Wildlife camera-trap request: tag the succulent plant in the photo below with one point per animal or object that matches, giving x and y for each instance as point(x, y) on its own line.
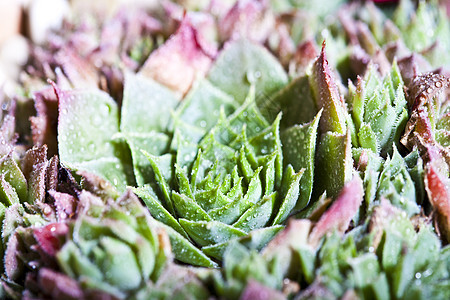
point(38, 192)
point(221, 153)
point(388, 256)
point(112, 249)
point(186, 161)
point(384, 263)
point(379, 110)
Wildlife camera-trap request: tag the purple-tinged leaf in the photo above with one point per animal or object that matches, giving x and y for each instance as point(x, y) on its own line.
point(51, 237)
point(44, 124)
point(426, 111)
point(326, 94)
point(12, 263)
point(384, 216)
point(409, 67)
point(341, 212)
point(51, 178)
point(294, 236)
point(65, 205)
point(425, 87)
point(80, 72)
point(34, 158)
point(34, 167)
point(249, 19)
point(304, 55)
point(256, 290)
point(59, 286)
point(437, 185)
point(186, 56)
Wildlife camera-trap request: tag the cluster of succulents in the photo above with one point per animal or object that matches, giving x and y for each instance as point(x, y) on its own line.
point(247, 149)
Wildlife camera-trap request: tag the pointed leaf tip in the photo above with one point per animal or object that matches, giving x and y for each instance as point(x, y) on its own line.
point(327, 96)
point(339, 215)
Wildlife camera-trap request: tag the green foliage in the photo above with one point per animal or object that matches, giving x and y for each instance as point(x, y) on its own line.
point(117, 250)
point(424, 26)
point(226, 187)
point(242, 265)
point(379, 110)
point(210, 168)
point(243, 64)
point(391, 269)
point(397, 179)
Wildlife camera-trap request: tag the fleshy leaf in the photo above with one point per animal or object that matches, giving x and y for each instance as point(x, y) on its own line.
point(290, 194)
point(185, 251)
point(186, 56)
point(87, 122)
point(158, 211)
point(201, 107)
point(339, 215)
point(295, 101)
point(247, 19)
point(210, 232)
point(152, 142)
point(327, 97)
point(396, 184)
point(333, 163)
point(13, 179)
point(379, 110)
point(258, 215)
point(299, 149)
point(256, 239)
point(146, 105)
point(242, 64)
point(437, 184)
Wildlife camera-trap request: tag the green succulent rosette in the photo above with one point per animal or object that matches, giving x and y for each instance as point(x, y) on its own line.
point(114, 248)
point(34, 192)
point(212, 167)
point(233, 188)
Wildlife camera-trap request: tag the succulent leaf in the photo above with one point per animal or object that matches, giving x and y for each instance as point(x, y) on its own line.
point(299, 148)
point(327, 96)
point(334, 163)
point(190, 56)
point(379, 110)
point(95, 151)
point(253, 65)
point(225, 124)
